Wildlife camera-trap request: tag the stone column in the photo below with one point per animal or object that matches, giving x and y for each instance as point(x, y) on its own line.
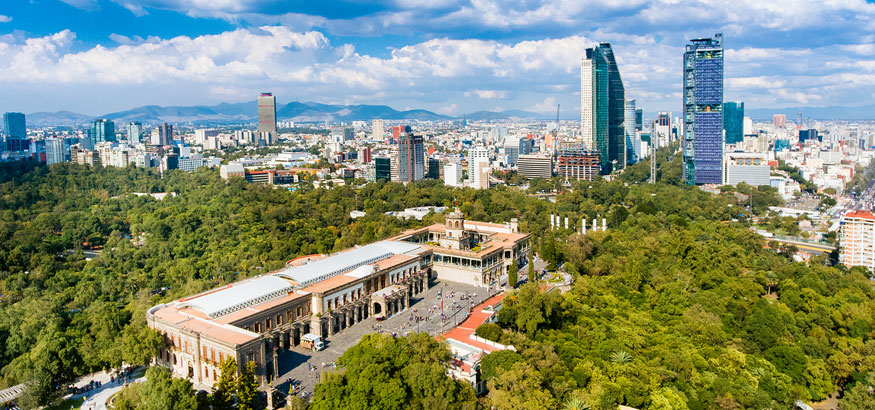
point(276, 365)
point(262, 369)
point(358, 313)
point(331, 324)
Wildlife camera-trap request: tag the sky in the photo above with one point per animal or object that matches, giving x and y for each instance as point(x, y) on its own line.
point(449, 56)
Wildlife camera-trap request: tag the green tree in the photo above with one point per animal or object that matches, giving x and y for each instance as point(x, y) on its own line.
point(498, 362)
point(531, 273)
point(247, 388)
point(512, 273)
point(489, 331)
point(224, 389)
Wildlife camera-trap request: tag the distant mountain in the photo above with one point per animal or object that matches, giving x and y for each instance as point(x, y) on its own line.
point(238, 113)
point(60, 118)
point(862, 113)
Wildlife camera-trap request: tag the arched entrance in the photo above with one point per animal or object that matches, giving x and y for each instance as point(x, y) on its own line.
point(377, 308)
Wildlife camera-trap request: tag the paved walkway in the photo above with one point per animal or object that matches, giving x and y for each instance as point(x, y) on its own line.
point(95, 399)
point(294, 362)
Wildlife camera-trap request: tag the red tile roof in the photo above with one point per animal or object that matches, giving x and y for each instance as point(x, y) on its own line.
point(463, 332)
point(860, 214)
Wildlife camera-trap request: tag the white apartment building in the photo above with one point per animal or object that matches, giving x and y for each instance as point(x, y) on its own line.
point(453, 174)
point(858, 239)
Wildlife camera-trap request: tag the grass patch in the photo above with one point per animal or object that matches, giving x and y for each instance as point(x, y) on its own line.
point(66, 404)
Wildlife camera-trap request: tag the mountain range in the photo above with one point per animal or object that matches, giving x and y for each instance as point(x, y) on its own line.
point(241, 113)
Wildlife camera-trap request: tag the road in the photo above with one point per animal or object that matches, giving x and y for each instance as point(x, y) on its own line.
point(810, 247)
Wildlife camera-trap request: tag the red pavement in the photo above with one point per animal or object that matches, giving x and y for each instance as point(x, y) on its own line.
point(464, 331)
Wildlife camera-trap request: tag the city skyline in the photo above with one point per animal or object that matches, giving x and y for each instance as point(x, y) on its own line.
point(451, 59)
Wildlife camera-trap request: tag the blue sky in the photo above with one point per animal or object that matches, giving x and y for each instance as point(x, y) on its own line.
point(453, 56)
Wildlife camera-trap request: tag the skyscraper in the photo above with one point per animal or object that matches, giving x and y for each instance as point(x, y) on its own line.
point(703, 111)
point(163, 135)
point(102, 130)
point(411, 158)
point(779, 120)
point(55, 151)
point(267, 116)
point(616, 111)
point(733, 121)
point(135, 128)
point(602, 106)
point(14, 130)
point(377, 130)
point(629, 127)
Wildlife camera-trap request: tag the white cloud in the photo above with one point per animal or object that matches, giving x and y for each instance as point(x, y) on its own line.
point(487, 94)
point(548, 105)
point(5, 19)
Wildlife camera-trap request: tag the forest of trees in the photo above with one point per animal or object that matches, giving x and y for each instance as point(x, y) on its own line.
point(673, 307)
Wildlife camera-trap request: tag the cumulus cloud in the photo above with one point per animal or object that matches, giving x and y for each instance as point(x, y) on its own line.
point(5, 19)
point(486, 94)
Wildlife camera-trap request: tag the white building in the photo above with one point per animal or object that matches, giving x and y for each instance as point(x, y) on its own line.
point(55, 152)
point(377, 129)
point(453, 174)
point(475, 155)
point(858, 239)
point(748, 167)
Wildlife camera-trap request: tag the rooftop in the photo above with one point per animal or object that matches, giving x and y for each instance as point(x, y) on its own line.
point(238, 295)
point(860, 214)
point(310, 273)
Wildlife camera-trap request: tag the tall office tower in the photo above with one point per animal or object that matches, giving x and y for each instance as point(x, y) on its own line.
point(602, 105)
point(135, 128)
point(733, 121)
point(779, 120)
point(377, 130)
point(267, 116)
point(639, 119)
point(411, 158)
point(55, 151)
point(703, 111)
point(629, 128)
point(14, 131)
point(616, 111)
point(512, 150)
point(162, 136)
point(102, 130)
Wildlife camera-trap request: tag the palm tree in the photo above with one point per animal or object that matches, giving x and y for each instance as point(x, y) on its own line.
point(576, 404)
point(621, 356)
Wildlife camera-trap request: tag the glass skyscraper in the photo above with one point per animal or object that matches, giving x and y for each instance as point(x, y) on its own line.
point(15, 131)
point(602, 105)
point(629, 125)
point(733, 121)
point(703, 111)
point(102, 131)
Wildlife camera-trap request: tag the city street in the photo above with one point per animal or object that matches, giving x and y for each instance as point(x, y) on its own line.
point(294, 363)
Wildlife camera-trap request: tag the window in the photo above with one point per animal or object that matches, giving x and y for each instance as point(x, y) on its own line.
point(279, 320)
point(269, 324)
point(329, 305)
point(205, 352)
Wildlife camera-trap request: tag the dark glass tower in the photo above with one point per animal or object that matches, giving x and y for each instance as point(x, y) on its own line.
point(733, 121)
point(616, 111)
point(703, 111)
point(602, 105)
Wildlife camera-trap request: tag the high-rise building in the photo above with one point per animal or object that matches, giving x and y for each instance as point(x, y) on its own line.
point(809, 135)
point(453, 174)
point(703, 111)
point(857, 244)
point(15, 131)
point(411, 158)
point(135, 128)
point(512, 150)
point(377, 130)
point(779, 120)
point(434, 169)
point(733, 121)
point(747, 127)
point(616, 111)
point(267, 116)
point(474, 155)
point(639, 119)
point(102, 130)
point(602, 107)
point(163, 135)
point(629, 128)
point(55, 151)
point(382, 169)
